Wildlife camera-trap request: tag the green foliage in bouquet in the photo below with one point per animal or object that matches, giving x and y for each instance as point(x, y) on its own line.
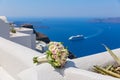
point(35, 60)
point(56, 55)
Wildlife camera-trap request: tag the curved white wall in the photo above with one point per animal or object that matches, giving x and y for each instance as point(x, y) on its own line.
point(15, 58)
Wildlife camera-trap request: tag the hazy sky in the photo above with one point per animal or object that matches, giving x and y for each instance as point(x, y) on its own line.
point(60, 8)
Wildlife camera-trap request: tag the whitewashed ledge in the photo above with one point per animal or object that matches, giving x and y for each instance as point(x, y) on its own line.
point(24, 30)
point(15, 58)
point(16, 64)
point(84, 67)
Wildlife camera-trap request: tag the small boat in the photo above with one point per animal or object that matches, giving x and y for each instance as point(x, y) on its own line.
point(77, 37)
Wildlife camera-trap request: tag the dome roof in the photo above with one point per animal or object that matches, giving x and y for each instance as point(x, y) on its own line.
point(4, 18)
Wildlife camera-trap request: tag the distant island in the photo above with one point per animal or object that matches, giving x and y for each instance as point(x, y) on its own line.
point(107, 20)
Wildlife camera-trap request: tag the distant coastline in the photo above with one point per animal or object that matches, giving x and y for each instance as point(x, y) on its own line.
point(107, 20)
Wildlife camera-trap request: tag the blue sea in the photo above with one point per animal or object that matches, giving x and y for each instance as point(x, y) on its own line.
point(60, 29)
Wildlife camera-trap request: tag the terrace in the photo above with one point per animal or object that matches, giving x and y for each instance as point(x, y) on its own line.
point(16, 61)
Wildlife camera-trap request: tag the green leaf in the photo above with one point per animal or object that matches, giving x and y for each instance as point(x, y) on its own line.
point(112, 54)
point(35, 60)
point(62, 42)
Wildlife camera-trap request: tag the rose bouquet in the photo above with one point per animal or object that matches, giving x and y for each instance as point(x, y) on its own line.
point(56, 55)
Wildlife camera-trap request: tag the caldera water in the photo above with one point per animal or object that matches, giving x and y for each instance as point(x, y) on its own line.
point(60, 29)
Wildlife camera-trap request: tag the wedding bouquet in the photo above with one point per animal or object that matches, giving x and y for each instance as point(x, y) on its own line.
point(56, 55)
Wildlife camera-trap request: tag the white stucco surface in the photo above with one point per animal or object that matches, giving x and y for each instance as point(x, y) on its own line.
point(4, 75)
point(84, 67)
point(41, 72)
point(15, 58)
point(21, 38)
point(30, 33)
point(4, 18)
point(4, 29)
point(96, 59)
point(80, 74)
point(17, 61)
point(24, 30)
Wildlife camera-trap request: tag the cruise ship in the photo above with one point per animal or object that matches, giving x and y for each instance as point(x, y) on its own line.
point(77, 37)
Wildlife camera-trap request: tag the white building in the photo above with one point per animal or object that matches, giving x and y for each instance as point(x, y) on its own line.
point(23, 36)
point(4, 29)
point(30, 33)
